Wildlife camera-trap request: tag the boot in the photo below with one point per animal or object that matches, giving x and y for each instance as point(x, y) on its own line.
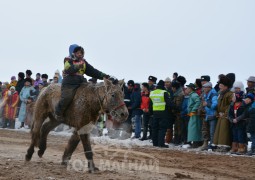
point(251, 152)
point(12, 124)
point(241, 149)
point(22, 125)
point(204, 146)
point(169, 136)
point(4, 123)
point(234, 148)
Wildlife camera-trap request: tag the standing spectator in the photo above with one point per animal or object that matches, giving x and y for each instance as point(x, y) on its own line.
point(151, 81)
point(45, 80)
point(55, 79)
point(182, 81)
point(238, 87)
point(250, 84)
point(195, 124)
point(160, 105)
point(216, 87)
point(249, 100)
point(198, 87)
point(10, 108)
point(237, 117)
point(145, 108)
point(29, 74)
point(202, 112)
point(222, 131)
point(57, 73)
point(136, 109)
point(177, 100)
point(127, 125)
point(37, 80)
point(185, 117)
point(175, 75)
point(210, 102)
point(169, 132)
point(13, 81)
point(21, 82)
point(3, 95)
point(25, 94)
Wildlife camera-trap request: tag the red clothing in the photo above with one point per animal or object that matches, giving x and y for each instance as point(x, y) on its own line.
point(10, 107)
point(145, 101)
point(199, 91)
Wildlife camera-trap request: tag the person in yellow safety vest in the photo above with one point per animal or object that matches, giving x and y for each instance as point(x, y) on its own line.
point(160, 105)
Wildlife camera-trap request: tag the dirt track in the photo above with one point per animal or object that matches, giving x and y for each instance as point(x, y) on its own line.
point(116, 162)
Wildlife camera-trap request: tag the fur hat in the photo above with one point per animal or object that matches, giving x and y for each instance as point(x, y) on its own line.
point(198, 83)
point(13, 87)
point(182, 80)
point(192, 86)
point(13, 78)
point(208, 84)
point(21, 75)
point(152, 78)
point(232, 78)
point(205, 78)
point(168, 79)
point(45, 76)
point(251, 79)
point(28, 80)
point(131, 83)
point(225, 81)
point(146, 85)
point(29, 72)
point(239, 84)
point(175, 74)
point(161, 84)
point(176, 84)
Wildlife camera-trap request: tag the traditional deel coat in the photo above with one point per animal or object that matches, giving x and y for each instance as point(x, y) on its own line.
point(222, 131)
point(10, 107)
point(24, 95)
point(195, 123)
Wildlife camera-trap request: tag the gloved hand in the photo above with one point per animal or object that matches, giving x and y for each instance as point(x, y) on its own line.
point(192, 114)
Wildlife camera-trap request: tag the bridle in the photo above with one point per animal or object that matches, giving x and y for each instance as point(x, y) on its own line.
point(101, 101)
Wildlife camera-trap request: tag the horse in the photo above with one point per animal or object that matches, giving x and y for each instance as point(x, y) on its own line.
point(89, 102)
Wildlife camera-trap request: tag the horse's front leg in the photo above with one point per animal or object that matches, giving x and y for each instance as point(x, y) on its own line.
point(70, 148)
point(88, 152)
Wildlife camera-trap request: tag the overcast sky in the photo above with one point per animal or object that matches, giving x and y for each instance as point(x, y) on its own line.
point(130, 39)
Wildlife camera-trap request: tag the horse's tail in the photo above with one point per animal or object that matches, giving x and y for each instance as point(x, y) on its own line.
point(41, 110)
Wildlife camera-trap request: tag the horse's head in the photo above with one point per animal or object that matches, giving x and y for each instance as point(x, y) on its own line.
point(114, 100)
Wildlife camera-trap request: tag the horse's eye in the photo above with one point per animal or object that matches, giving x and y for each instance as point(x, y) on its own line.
point(113, 95)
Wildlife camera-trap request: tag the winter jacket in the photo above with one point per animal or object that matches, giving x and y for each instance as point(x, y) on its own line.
point(37, 82)
point(184, 110)
point(136, 102)
point(20, 85)
point(241, 113)
point(74, 74)
point(251, 118)
point(145, 101)
point(10, 108)
point(212, 101)
point(177, 100)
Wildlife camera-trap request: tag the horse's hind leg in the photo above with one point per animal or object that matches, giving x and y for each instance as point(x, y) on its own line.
point(88, 152)
point(70, 148)
point(46, 128)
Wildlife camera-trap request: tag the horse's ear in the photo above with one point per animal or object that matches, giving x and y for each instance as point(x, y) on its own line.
point(121, 83)
point(107, 83)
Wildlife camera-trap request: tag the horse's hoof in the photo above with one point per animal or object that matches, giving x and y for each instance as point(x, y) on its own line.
point(28, 157)
point(64, 163)
point(40, 153)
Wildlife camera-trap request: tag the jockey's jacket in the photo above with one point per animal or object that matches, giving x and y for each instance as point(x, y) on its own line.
point(72, 68)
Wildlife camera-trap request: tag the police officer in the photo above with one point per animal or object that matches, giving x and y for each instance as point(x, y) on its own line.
point(160, 104)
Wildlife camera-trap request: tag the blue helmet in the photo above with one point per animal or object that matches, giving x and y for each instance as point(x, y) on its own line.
point(71, 49)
